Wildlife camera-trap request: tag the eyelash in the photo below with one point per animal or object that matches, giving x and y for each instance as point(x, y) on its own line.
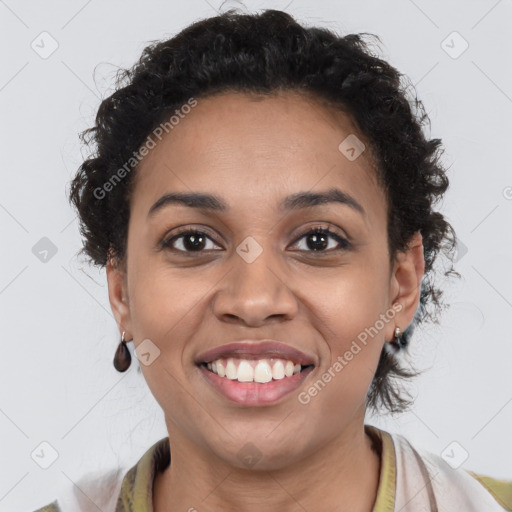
point(344, 244)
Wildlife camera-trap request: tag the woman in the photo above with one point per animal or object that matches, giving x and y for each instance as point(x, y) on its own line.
point(263, 199)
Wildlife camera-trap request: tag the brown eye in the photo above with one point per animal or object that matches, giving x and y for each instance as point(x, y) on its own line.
point(189, 241)
point(317, 240)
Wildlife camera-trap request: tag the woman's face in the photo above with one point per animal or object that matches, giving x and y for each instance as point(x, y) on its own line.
point(254, 273)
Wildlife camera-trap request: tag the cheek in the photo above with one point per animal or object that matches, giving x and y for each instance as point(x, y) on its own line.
point(162, 299)
point(351, 301)
point(162, 311)
point(353, 322)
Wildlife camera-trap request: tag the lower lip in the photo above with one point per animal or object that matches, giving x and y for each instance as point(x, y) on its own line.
point(253, 393)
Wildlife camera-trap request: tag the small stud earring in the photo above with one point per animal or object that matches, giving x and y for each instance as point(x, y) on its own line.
point(398, 341)
point(122, 357)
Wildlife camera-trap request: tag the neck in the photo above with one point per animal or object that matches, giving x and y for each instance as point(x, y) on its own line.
point(342, 476)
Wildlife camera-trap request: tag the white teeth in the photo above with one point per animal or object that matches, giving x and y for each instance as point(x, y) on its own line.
point(262, 372)
point(231, 371)
point(278, 370)
point(250, 370)
point(245, 372)
point(288, 368)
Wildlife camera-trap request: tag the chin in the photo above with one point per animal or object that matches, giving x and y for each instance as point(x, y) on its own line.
point(259, 453)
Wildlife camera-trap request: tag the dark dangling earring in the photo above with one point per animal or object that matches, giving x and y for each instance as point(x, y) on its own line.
point(398, 341)
point(122, 357)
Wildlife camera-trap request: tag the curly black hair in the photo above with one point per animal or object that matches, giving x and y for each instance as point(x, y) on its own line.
point(268, 53)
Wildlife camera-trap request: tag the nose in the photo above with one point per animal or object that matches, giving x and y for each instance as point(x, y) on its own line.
point(255, 293)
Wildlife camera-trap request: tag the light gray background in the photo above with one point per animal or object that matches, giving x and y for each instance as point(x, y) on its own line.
point(58, 335)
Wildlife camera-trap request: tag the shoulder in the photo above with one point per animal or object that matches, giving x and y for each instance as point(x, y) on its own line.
point(115, 490)
point(446, 483)
point(51, 507)
point(93, 492)
point(500, 489)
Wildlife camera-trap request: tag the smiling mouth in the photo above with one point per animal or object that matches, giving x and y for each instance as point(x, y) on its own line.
point(260, 371)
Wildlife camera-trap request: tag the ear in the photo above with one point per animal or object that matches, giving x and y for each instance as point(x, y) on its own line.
point(118, 296)
point(406, 276)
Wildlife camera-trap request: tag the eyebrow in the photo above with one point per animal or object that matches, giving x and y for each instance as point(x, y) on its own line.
point(295, 201)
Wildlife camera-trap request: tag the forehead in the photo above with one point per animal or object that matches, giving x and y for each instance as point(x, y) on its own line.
point(258, 148)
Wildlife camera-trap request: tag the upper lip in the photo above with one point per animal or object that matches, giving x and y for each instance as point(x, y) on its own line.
point(256, 349)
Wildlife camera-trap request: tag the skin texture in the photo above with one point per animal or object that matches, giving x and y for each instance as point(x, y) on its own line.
point(253, 152)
